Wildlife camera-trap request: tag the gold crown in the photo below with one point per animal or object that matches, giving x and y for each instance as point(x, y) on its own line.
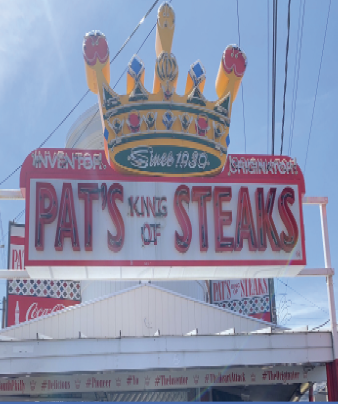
point(163, 133)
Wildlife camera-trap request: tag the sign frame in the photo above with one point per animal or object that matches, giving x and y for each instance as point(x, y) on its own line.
point(48, 164)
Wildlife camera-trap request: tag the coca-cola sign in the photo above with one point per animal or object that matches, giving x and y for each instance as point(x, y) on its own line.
point(27, 308)
point(34, 311)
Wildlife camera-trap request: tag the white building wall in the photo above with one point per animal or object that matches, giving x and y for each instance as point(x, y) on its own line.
point(137, 312)
point(86, 132)
point(93, 289)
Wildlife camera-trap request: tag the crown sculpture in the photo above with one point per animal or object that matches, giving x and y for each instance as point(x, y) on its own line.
point(163, 133)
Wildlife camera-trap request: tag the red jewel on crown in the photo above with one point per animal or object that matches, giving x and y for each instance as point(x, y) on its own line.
point(95, 47)
point(202, 125)
point(234, 60)
point(134, 121)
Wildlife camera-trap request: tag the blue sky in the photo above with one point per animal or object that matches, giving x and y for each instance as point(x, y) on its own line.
point(42, 77)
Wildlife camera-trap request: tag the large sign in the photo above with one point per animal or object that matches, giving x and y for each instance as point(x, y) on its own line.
point(159, 380)
point(28, 299)
point(81, 214)
point(250, 297)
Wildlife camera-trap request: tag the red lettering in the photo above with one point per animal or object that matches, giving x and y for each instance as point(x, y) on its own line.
point(133, 206)
point(44, 214)
point(260, 288)
point(265, 223)
point(250, 287)
point(151, 207)
point(88, 193)
point(222, 218)
point(182, 243)
point(115, 243)
point(67, 225)
point(146, 240)
point(19, 260)
point(142, 206)
point(288, 241)
point(265, 286)
point(202, 195)
point(216, 294)
point(228, 290)
point(162, 209)
point(244, 287)
point(14, 259)
point(245, 227)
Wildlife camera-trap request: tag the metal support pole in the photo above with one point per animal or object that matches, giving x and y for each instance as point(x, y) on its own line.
point(329, 280)
point(311, 397)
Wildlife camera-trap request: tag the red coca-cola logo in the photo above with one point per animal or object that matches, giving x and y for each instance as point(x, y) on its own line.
point(34, 311)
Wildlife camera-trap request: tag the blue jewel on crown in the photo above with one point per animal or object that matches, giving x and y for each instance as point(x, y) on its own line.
point(168, 119)
point(197, 73)
point(135, 67)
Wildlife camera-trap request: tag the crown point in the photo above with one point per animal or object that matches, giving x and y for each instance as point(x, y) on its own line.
point(166, 74)
point(196, 77)
point(231, 71)
point(135, 67)
point(95, 47)
point(165, 29)
point(234, 60)
point(96, 56)
point(166, 15)
point(135, 76)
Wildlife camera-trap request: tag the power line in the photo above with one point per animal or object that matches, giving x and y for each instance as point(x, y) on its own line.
point(299, 294)
point(298, 56)
point(320, 326)
point(11, 174)
point(86, 93)
point(286, 76)
point(239, 44)
point(268, 75)
point(274, 60)
point(239, 34)
point(314, 102)
point(135, 29)
point(18, 216)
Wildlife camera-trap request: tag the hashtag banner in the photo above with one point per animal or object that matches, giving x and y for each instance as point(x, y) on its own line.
point(158, 380)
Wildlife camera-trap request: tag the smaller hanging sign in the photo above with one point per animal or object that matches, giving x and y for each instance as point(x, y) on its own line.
point(250, 297)
point(28, 299)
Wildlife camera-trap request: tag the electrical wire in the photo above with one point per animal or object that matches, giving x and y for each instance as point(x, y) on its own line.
point(239, 44)
point(268, 75)
point(18, 216)
point(314, 101)
point(274, 67)
point(320, 326)
point(135, 29)
point(298, 56)
point(286, 75)
point(86, 93)
point(299, 294)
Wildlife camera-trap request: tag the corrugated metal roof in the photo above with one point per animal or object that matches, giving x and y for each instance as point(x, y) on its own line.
point(139, 311)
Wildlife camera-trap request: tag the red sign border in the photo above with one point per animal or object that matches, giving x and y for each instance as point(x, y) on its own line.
point(29, 171)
